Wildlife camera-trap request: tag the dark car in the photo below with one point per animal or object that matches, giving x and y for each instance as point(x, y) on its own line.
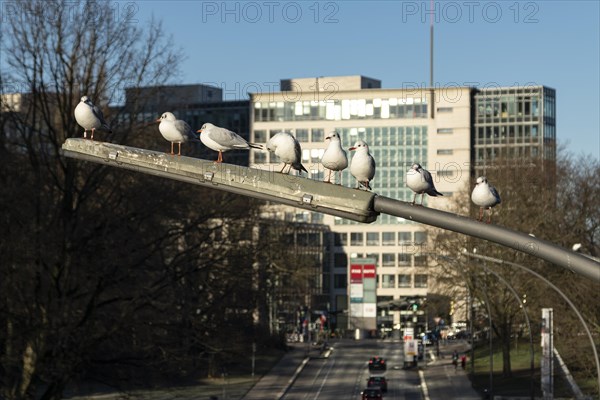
point(371, 393)
point(378, 381)
point(377, 363)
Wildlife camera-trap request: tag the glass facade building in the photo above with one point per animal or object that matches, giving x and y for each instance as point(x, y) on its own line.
point(401, 127)
point(514, 122)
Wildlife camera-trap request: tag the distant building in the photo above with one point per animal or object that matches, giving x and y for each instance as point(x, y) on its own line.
point(449, 131)
point(196, 104)
point(514, 122)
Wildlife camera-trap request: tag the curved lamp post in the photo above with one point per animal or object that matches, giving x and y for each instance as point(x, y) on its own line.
point(527, 319)
point(573, 307)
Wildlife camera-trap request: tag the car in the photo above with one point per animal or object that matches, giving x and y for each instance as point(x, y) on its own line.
point(377, 363)
point(371, 393)
point(378, 381)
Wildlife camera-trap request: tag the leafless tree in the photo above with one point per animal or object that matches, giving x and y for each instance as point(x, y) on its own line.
point(563, 208)
point(60, 256)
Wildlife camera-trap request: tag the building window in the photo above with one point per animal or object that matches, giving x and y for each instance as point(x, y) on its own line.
point(445, 152)
point(421, 260)
point(374, 256)
point(404, 259)
point(260, 157)
point(388, 260)
point(444, 109)
point(340, 238)
point(340, 281)
point(317, 135)
point(404, 281)
point(372, 238)
point(404, 237)
point(388, 281)
point(445, 130)
point(356, 239)
point(388, 238)
point(260, 136)
point(340, 260)
point(420, 281)
point(302, 135)
point(420, 237)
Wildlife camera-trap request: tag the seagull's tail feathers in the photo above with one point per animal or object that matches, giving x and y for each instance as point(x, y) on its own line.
point(434, 193)
point(299, 167)
point(256, 146)
point(106, 128)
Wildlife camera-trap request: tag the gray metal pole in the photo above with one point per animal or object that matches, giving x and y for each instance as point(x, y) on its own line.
point(557, 290)
point(493, 233)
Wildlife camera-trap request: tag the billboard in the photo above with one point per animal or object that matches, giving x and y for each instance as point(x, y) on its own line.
point(363, 293)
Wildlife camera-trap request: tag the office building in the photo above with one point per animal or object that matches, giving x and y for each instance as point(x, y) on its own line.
point(449, 131)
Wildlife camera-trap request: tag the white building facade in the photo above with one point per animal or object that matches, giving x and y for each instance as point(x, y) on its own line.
point(401, 127)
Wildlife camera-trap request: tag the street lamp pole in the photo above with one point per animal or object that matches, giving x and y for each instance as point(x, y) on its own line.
point(573, 307)
point(313, 195)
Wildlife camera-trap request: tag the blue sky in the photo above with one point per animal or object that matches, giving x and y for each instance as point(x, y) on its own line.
point(243, 46)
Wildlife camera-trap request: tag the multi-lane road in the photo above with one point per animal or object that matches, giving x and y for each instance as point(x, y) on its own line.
point(343, 375)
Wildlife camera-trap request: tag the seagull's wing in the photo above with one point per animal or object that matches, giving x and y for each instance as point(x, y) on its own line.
point(372, 164)
point(185, 129)
point(495, 193)
point(98, 114)
point(228, 138)
point(427, 176)
point(297, 151)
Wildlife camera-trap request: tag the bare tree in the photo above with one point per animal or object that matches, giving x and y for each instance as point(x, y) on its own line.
point(57, 214)
point(561, 207)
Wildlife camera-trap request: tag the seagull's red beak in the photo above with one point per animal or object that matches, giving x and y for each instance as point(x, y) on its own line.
point(199, 131)
point(352, 148)
point(158, 120)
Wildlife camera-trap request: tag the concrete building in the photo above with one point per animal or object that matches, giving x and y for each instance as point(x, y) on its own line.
point(449, 131)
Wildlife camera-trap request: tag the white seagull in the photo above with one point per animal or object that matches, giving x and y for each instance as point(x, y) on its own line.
point(221, 140)
point(363, 164)
point(334, 158)
point(90, 117)
point(175, 131)
point(485, 196)
point(287, 148)
point(419, 181)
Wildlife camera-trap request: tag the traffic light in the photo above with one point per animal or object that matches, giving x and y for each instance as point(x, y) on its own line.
point(415, 306)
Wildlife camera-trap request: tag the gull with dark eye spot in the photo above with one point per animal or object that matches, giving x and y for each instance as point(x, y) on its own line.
point(222, 140)
point(362, 166)
point(334, 158)
point(419, 180)
point(175, 131)
point(485, 196)
point(90, 117)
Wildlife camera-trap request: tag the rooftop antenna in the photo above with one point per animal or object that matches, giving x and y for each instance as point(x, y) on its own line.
point(431, 16)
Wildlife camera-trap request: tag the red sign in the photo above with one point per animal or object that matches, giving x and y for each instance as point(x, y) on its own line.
point(356, 274)
point(369, 271)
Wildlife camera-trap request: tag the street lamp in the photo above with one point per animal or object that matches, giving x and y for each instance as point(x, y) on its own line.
point(345, 202)
point(560, 292)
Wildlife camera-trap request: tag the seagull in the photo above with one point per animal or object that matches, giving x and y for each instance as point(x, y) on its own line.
point(90, 117)
point(334, 158)
point(363, 164)
point(287, 148)
point(485, 196)
point(221, 140)
point(419, 181)
point(175, 131)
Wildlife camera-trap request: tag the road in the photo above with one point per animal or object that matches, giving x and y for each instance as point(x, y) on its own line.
point(344, 374)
